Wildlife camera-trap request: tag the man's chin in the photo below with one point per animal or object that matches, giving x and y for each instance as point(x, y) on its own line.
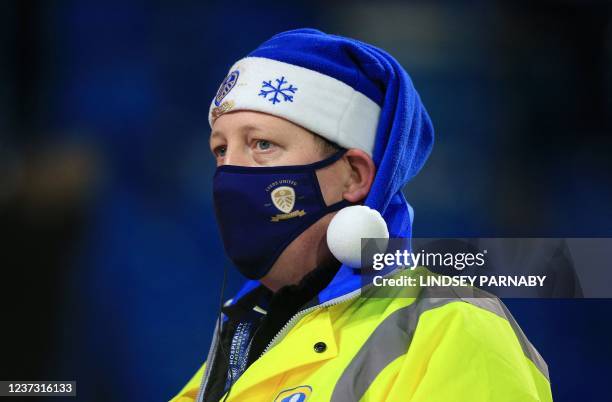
point(303, 255)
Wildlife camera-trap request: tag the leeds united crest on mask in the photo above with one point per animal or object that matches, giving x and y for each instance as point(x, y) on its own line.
point(283, 198)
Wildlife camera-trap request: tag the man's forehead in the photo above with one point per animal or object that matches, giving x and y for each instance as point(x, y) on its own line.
point(245, 122)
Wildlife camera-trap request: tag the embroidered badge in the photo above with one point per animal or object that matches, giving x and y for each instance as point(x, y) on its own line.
point(283, 198)
point(279, 91)
point(297, 394)
point(226, 86)
point(225, 107)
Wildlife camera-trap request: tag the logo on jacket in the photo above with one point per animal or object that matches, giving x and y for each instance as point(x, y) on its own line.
point(297, 394)
point(283, 198)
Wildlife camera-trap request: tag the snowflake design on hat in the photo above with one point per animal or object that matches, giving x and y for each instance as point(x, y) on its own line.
point(277, 91)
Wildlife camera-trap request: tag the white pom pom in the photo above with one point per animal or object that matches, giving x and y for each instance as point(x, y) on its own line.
point(348, 227)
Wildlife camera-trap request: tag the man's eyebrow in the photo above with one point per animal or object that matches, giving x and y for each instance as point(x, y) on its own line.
point(247, 128)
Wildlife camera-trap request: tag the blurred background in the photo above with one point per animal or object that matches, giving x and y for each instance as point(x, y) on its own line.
point(111, 262)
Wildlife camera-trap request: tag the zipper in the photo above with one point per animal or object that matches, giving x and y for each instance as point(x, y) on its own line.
point(277, 338)
point(299, 315)
point(210, 359)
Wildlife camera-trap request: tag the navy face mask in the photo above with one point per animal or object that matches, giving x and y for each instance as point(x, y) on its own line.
point(260, 210)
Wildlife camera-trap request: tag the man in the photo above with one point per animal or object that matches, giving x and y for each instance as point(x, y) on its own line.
point(307, 124)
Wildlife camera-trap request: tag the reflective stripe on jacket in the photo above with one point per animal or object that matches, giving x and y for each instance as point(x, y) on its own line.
point(438, 347)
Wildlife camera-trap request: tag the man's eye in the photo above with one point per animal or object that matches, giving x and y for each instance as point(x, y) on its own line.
point(220, 151)
point(263, 145)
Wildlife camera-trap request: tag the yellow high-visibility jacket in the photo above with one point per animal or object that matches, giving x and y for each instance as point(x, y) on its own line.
point(438, 347)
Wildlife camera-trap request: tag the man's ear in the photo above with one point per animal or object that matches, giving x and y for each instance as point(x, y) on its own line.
point(362, 172)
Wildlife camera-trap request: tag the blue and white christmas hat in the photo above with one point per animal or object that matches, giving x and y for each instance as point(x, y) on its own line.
point(281, 78)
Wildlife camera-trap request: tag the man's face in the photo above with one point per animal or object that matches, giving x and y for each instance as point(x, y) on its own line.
point(254, 139)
